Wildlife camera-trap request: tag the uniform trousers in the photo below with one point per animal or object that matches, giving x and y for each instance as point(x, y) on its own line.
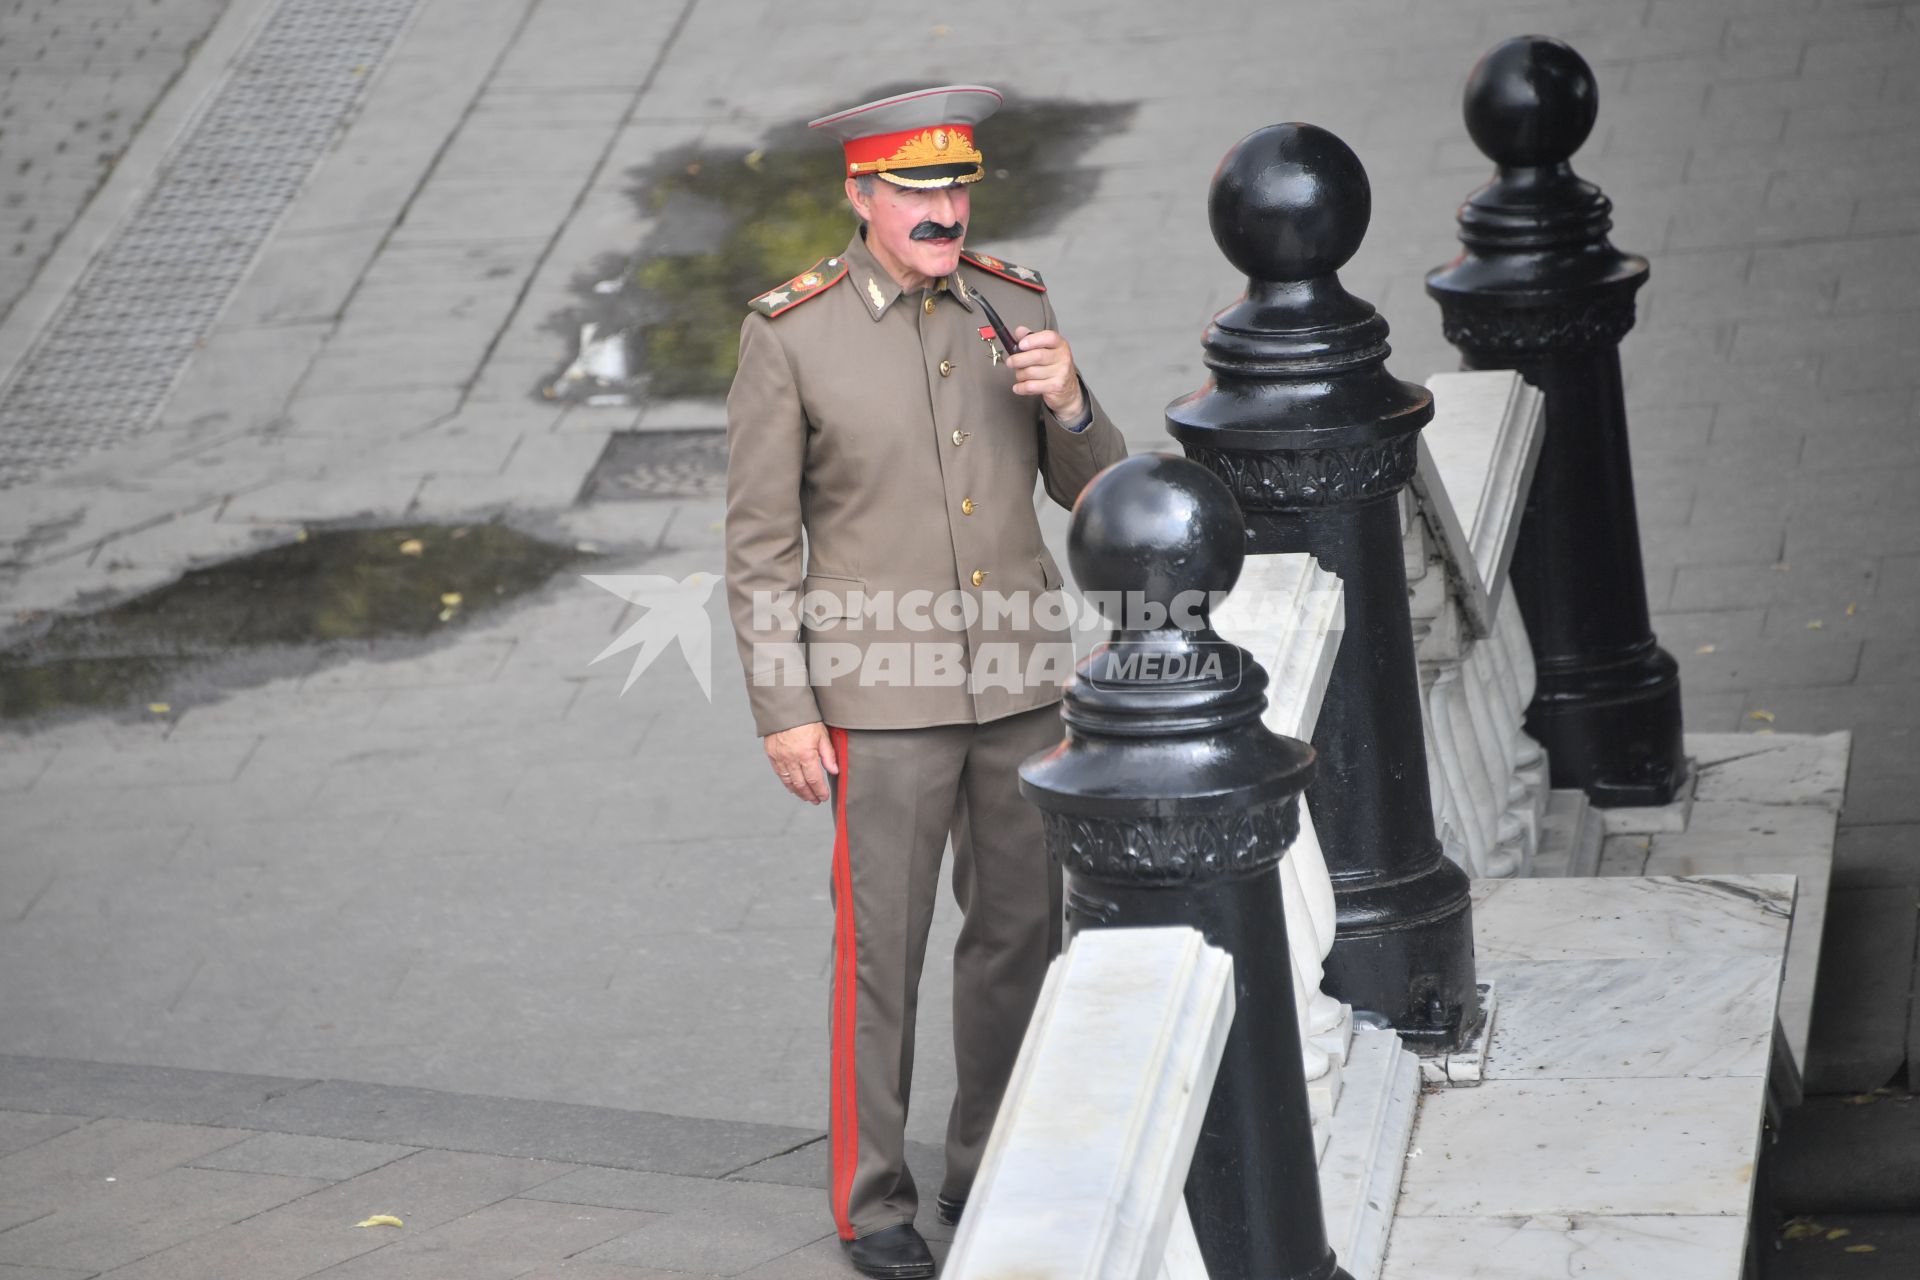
point(898, 797)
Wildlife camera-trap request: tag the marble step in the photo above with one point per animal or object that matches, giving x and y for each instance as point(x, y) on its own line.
point(1755, 803)
point(1571, 836)
point(1367, 1144)
point(1618, 1121)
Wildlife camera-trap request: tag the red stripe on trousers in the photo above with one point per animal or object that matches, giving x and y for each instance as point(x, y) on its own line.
point(844, 1105)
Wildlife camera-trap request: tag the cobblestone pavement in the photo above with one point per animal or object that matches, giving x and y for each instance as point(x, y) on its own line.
point(77, 79)
point(479, 871)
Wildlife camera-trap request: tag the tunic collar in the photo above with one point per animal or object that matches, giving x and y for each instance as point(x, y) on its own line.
point(878, 291)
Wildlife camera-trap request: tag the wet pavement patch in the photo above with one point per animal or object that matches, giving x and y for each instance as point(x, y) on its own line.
point(730, 223)
point(335, 594)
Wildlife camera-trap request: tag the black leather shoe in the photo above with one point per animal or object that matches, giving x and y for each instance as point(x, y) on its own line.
point(898, 1253)
point(949, 1208)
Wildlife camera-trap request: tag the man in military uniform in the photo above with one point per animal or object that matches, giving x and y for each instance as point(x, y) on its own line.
point(876, 411)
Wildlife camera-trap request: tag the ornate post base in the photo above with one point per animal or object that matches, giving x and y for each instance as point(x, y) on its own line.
point(1419, 927)
point(1612, 731)
point(1607, 703)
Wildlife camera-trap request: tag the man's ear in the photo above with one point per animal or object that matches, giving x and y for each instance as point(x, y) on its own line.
point(858, 200)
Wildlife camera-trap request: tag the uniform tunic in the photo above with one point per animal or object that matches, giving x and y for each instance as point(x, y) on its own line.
point(884, 427)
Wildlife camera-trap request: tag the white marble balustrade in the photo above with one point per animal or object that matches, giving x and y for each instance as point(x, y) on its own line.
point(1288, 613)
point(1087, 1164)
point(1459, 520)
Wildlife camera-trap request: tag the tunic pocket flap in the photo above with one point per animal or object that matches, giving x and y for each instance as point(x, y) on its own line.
point(825, 597)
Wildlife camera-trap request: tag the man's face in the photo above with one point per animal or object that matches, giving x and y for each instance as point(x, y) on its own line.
point(918, 230)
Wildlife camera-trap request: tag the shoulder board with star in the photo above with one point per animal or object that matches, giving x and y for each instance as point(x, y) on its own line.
point(811, 283)
point(1004, 269)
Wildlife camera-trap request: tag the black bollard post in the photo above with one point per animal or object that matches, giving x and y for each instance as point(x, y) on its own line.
point(1170, 803)
point(1540, 289)
point(1315, 438)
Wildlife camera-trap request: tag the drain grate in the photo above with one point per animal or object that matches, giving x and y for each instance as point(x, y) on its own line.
point(661, 464)
point(103, 368)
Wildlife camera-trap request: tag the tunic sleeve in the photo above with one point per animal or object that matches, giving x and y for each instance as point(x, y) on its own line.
point(766, 461)
point(1071, 458)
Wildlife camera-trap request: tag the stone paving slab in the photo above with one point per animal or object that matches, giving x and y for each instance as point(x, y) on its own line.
point(300, 1156)
point(20, 1129)
point(130, 1093)
point(71, 1169)
point(108, 1231)
point(425, 1117)
point(275, 1187)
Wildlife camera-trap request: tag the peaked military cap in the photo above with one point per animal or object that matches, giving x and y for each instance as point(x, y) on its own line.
point(918, 139)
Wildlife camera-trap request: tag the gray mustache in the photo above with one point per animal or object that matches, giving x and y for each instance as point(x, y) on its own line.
point(934, 231)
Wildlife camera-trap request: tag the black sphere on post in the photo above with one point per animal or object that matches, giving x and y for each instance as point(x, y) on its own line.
point(1169, 803)
point(1539, 288)
point(1316, 439)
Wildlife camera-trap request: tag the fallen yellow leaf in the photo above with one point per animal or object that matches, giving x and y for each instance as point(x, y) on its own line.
point(1761, 715)
point(1851, 608)
point(1861, 1248)
point(412, 547)
point(450, 598)
point(1801, 1228)
point(1814, 624)
point(1838, 1232)
point(1705, 648)
point(754, 157)
point(381, 1220)
point(159, 708)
